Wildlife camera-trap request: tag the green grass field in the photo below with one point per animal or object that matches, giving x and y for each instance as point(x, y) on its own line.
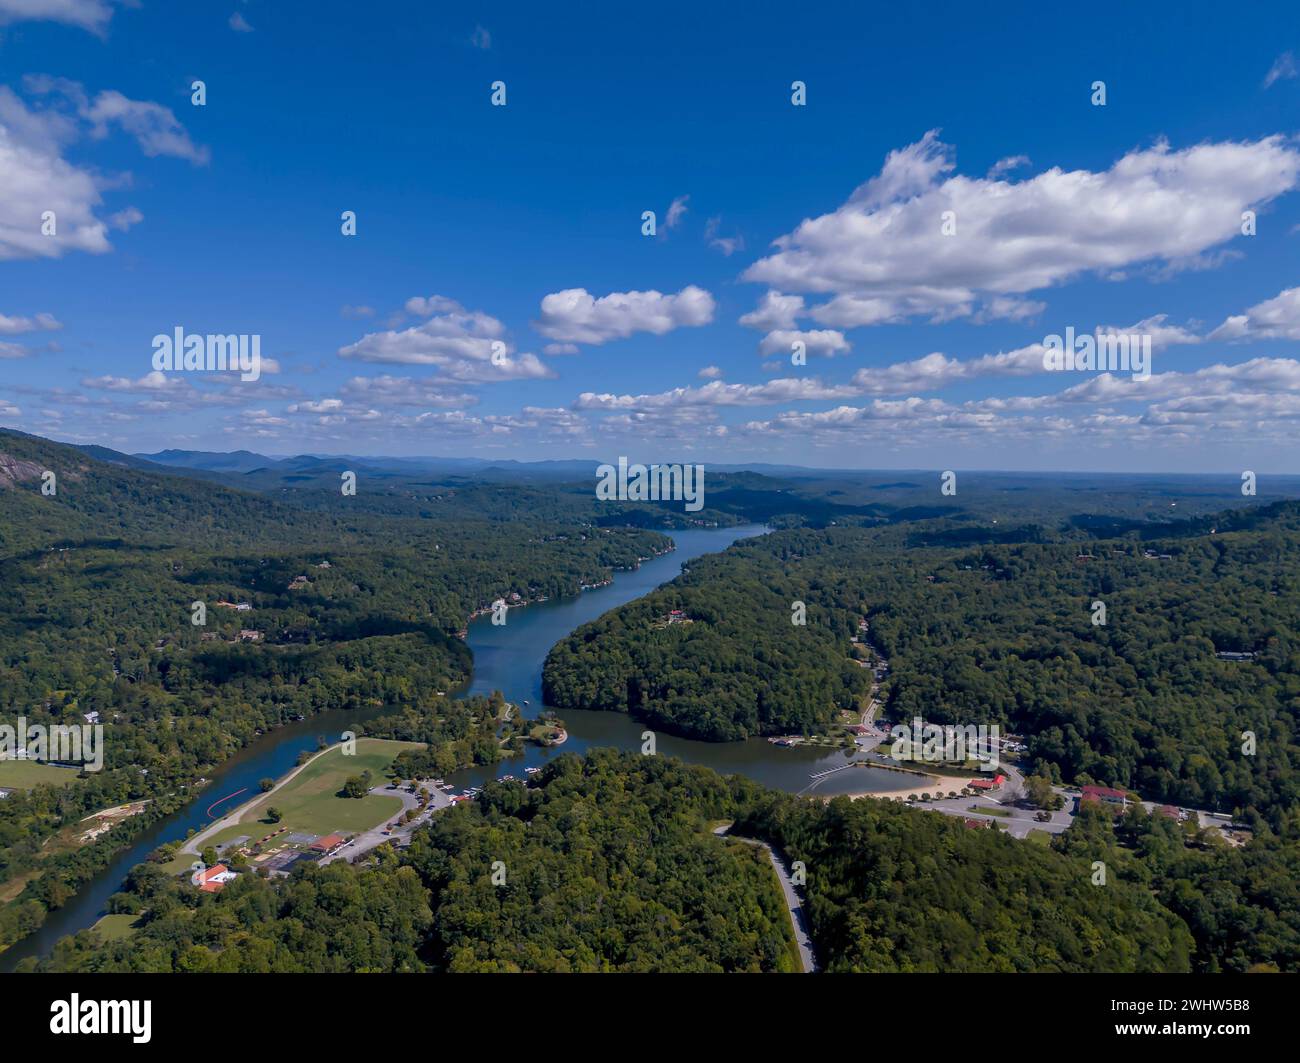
point(116, 927)
point(310, 804)
point(24, 774)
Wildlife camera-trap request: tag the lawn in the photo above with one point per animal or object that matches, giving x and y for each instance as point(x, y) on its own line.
point(24, 774)
point(116, 927)
point(309, 803)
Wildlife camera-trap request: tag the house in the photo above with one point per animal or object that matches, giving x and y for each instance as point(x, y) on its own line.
point(988, 784)
point(249, 635)
point(1106, 796)
point(975, 824)
point(213, 879)
point(91, 717)
point(241, 607)
point(1229, 655)
point(298, 582)
point(1170, 812)
point(327, 845)
point(4, 793)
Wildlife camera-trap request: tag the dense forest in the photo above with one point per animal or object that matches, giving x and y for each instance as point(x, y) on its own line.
point(999, 634)
point(890, 889)
point(715, 654)
point(608, 863)
point(345, 610)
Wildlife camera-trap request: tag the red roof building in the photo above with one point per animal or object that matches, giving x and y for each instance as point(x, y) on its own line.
point(211, 879)
point(1103, 795)
point(327, 844)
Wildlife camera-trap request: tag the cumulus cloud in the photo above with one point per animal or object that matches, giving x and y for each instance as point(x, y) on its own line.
point(1162, 334)
point(49, 205)
point(936, 371)
point(717, 393)
point(1276, 318)
point(12, 326)
point(774, 311)
point(466, 346)
point(428, 305)
point(93, 15)
point(818, 342)
point(37, 179)
point(883, 257)
point(388, 390)
point(710, 372)
point(576, 316)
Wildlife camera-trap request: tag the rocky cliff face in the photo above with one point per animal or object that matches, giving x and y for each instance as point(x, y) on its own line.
point(13, 471)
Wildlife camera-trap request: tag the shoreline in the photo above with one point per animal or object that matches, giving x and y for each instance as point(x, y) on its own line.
point(943, 783)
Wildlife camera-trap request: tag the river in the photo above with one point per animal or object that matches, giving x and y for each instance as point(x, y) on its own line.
point(508, 658)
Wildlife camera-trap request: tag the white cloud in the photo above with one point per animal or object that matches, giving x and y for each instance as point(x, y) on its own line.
point(388, 390)
point(676, 212)
point(717, 393)
point(1162, 334)
point(774, 311)
point(90, 15)
point(882, 256)
point(122, 220)
point(460, 343)
point(576, 316)
point(481, 38)
point(12, 326)
point(155, 128)
point(728, 245)
point(37, 179)
point(710, 372)
point(1283, 69)
point(824, 342)
point(427, 306)
point(1276, 318)
point(240, 24)
point(1011, 162)
point(935, 371)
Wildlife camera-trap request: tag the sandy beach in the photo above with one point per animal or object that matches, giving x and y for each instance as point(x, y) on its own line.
point(924, 784)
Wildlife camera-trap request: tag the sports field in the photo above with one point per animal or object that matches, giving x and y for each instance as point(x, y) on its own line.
point(309, 803)
point(24, 774)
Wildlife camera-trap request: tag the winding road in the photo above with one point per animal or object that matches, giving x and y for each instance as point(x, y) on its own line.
point(799, 919)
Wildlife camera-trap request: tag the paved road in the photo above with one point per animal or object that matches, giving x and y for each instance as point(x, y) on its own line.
point(372, 839)
point(802, 937)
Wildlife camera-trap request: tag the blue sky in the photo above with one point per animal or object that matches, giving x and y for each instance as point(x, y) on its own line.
point(522, 225)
